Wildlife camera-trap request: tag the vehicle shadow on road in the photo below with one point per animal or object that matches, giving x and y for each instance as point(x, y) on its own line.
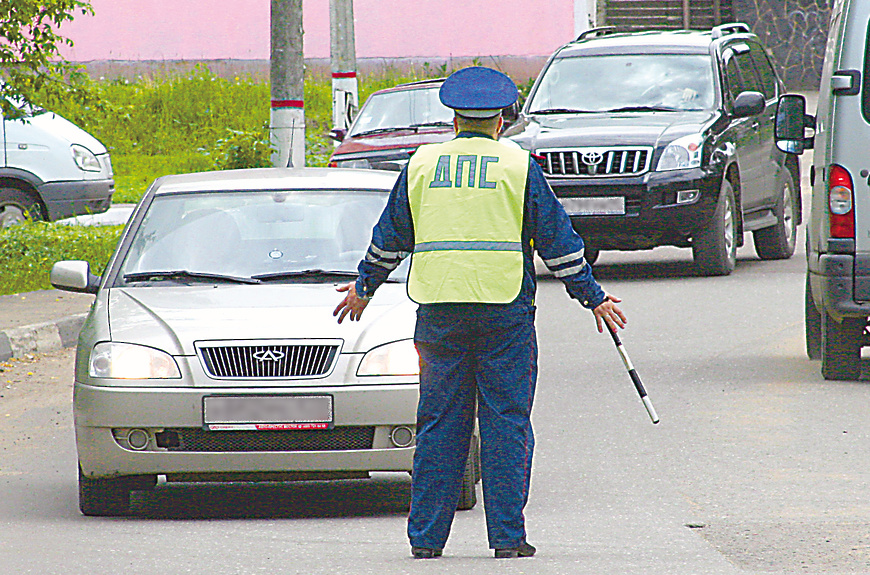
point(291, 500)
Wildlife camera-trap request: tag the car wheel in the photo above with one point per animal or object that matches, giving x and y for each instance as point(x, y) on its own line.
point(778, 242)
point(468, 493)
point(714, 249)
point(16, 206)
point(111, 496)
point(812, 324)
point(841, 347)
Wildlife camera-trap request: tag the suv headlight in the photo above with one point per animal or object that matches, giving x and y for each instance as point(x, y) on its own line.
point(112, 360)
point(85, 159)
point(682, 153)
point(397, 358)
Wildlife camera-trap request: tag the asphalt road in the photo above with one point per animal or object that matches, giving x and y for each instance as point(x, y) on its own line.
point(757, 466)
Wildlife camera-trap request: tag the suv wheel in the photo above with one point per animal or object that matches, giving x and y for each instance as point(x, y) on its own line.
point(591, 254)
point(778, 242)
point(841, 347)
point(16, 206)
point(812, 324)
point(468, 493)
point(714, 249)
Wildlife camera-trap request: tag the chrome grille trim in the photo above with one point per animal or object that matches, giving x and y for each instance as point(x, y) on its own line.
point(614, 161)
point(268, 359)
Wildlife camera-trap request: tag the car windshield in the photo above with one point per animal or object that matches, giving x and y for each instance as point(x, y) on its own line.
point(626, 82)
point(254, 237)
point(402, 109)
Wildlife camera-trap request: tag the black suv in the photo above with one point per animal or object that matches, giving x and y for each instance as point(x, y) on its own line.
point(665, 138)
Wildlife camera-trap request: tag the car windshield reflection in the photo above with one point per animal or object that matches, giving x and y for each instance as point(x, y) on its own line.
point(254, 236)
point(627, 82)
point(402, 109)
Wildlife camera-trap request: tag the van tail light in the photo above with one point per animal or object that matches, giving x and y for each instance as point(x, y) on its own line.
point(841, 205)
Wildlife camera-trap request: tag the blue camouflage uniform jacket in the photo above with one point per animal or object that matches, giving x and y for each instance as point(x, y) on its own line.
point(546, 228)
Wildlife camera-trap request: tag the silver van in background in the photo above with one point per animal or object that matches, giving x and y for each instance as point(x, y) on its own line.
point(51, 169)
point(837, 302)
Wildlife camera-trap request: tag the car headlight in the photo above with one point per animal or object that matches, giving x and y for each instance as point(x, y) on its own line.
point(85, 159)
point(111, 360)
point(682, 153)
point(397, 358)
point(360, 163)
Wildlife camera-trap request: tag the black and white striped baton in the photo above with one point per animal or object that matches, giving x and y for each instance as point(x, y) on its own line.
point(635, 378)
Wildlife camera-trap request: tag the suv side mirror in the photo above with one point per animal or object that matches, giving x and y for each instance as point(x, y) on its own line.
point(510, 114)
point(791, 123)
point(338, 134)
point(748, 104)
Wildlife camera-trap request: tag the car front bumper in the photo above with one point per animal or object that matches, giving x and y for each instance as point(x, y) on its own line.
point(104, 416)
point(653, 216)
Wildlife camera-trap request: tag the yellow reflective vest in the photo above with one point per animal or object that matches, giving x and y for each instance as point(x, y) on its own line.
point(467, 198)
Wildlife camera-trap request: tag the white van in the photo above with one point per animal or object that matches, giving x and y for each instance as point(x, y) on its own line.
point(838, 232)
point(51, 169)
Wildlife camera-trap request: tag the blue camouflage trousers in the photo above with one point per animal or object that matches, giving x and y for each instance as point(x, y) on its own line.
point(483, 356)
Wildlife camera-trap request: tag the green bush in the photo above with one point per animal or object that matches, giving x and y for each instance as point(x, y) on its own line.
point(28, 251)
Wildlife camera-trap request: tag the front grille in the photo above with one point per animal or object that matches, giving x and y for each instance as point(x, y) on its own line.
point(269, 359)
point(336, 439)
point(596, 162)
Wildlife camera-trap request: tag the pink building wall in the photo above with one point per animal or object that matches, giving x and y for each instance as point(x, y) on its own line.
point(239, 29)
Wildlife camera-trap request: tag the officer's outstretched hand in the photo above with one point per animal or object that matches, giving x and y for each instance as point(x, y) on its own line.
point(351, 304)
point(609, 313)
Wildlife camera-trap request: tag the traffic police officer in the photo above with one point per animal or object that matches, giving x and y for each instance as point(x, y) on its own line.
point(472, 211)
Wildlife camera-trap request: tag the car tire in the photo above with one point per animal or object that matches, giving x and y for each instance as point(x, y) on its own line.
point(714, 248)
point(812, 324)
point(591, 254)
point(778, 242)
point(110, 496)
point(841, 347)
point(468, 492)
point(16, 206)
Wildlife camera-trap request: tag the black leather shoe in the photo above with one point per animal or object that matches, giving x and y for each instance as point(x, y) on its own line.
point(425, 553)
point(524, 550)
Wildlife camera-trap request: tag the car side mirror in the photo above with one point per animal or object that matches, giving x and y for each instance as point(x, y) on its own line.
point(338, 134)
point(791, 123)
point(510, 114)
point(74, 276)
point(748, 104)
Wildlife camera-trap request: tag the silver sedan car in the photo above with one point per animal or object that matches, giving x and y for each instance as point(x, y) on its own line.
point(211, 352)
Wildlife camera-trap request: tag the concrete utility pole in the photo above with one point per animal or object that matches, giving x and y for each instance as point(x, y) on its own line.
point(287, 118)
point(581, 17)
point(345, 91)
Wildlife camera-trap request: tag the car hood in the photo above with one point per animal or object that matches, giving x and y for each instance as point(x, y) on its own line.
point(392, 140)
point(172, 318)
point(622, 129)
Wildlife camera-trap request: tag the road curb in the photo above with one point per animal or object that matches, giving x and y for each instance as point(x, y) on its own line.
point(41, 337)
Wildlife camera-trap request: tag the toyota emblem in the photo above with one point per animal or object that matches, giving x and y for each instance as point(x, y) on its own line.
point(592, 158)
point(269, 355)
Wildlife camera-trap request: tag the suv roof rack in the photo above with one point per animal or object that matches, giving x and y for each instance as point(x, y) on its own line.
point(731, 28)
point(596, 32)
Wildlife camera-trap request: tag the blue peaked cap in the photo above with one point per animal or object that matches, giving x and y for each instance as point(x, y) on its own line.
point(478, 92)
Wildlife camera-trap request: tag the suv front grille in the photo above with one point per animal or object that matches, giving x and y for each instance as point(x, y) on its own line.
point(596, 162)
point(269, 359)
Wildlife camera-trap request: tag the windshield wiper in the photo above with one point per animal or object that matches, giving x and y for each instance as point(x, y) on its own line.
point(643, 109)
point(562, 111)
point(431, 124)
point(384, 130)
point(312, 273)
point(185, 274)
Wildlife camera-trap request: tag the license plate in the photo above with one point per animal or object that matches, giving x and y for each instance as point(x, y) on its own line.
point(608, 206)
point(267, 412)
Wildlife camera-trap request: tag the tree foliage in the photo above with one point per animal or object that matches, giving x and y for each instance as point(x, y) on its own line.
point(31, 65)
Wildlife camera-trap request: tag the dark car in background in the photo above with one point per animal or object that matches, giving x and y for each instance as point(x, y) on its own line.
point(391, 125)
point(665, 138)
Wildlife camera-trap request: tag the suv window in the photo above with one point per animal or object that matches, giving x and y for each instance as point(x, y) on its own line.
point(765, 71)
point(619, 81)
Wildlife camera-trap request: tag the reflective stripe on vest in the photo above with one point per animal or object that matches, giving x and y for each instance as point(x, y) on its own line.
point(467, 198)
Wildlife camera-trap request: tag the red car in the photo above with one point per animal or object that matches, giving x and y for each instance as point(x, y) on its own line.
point(391, 125)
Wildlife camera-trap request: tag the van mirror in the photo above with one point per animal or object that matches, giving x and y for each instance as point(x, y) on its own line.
point(791, 124)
